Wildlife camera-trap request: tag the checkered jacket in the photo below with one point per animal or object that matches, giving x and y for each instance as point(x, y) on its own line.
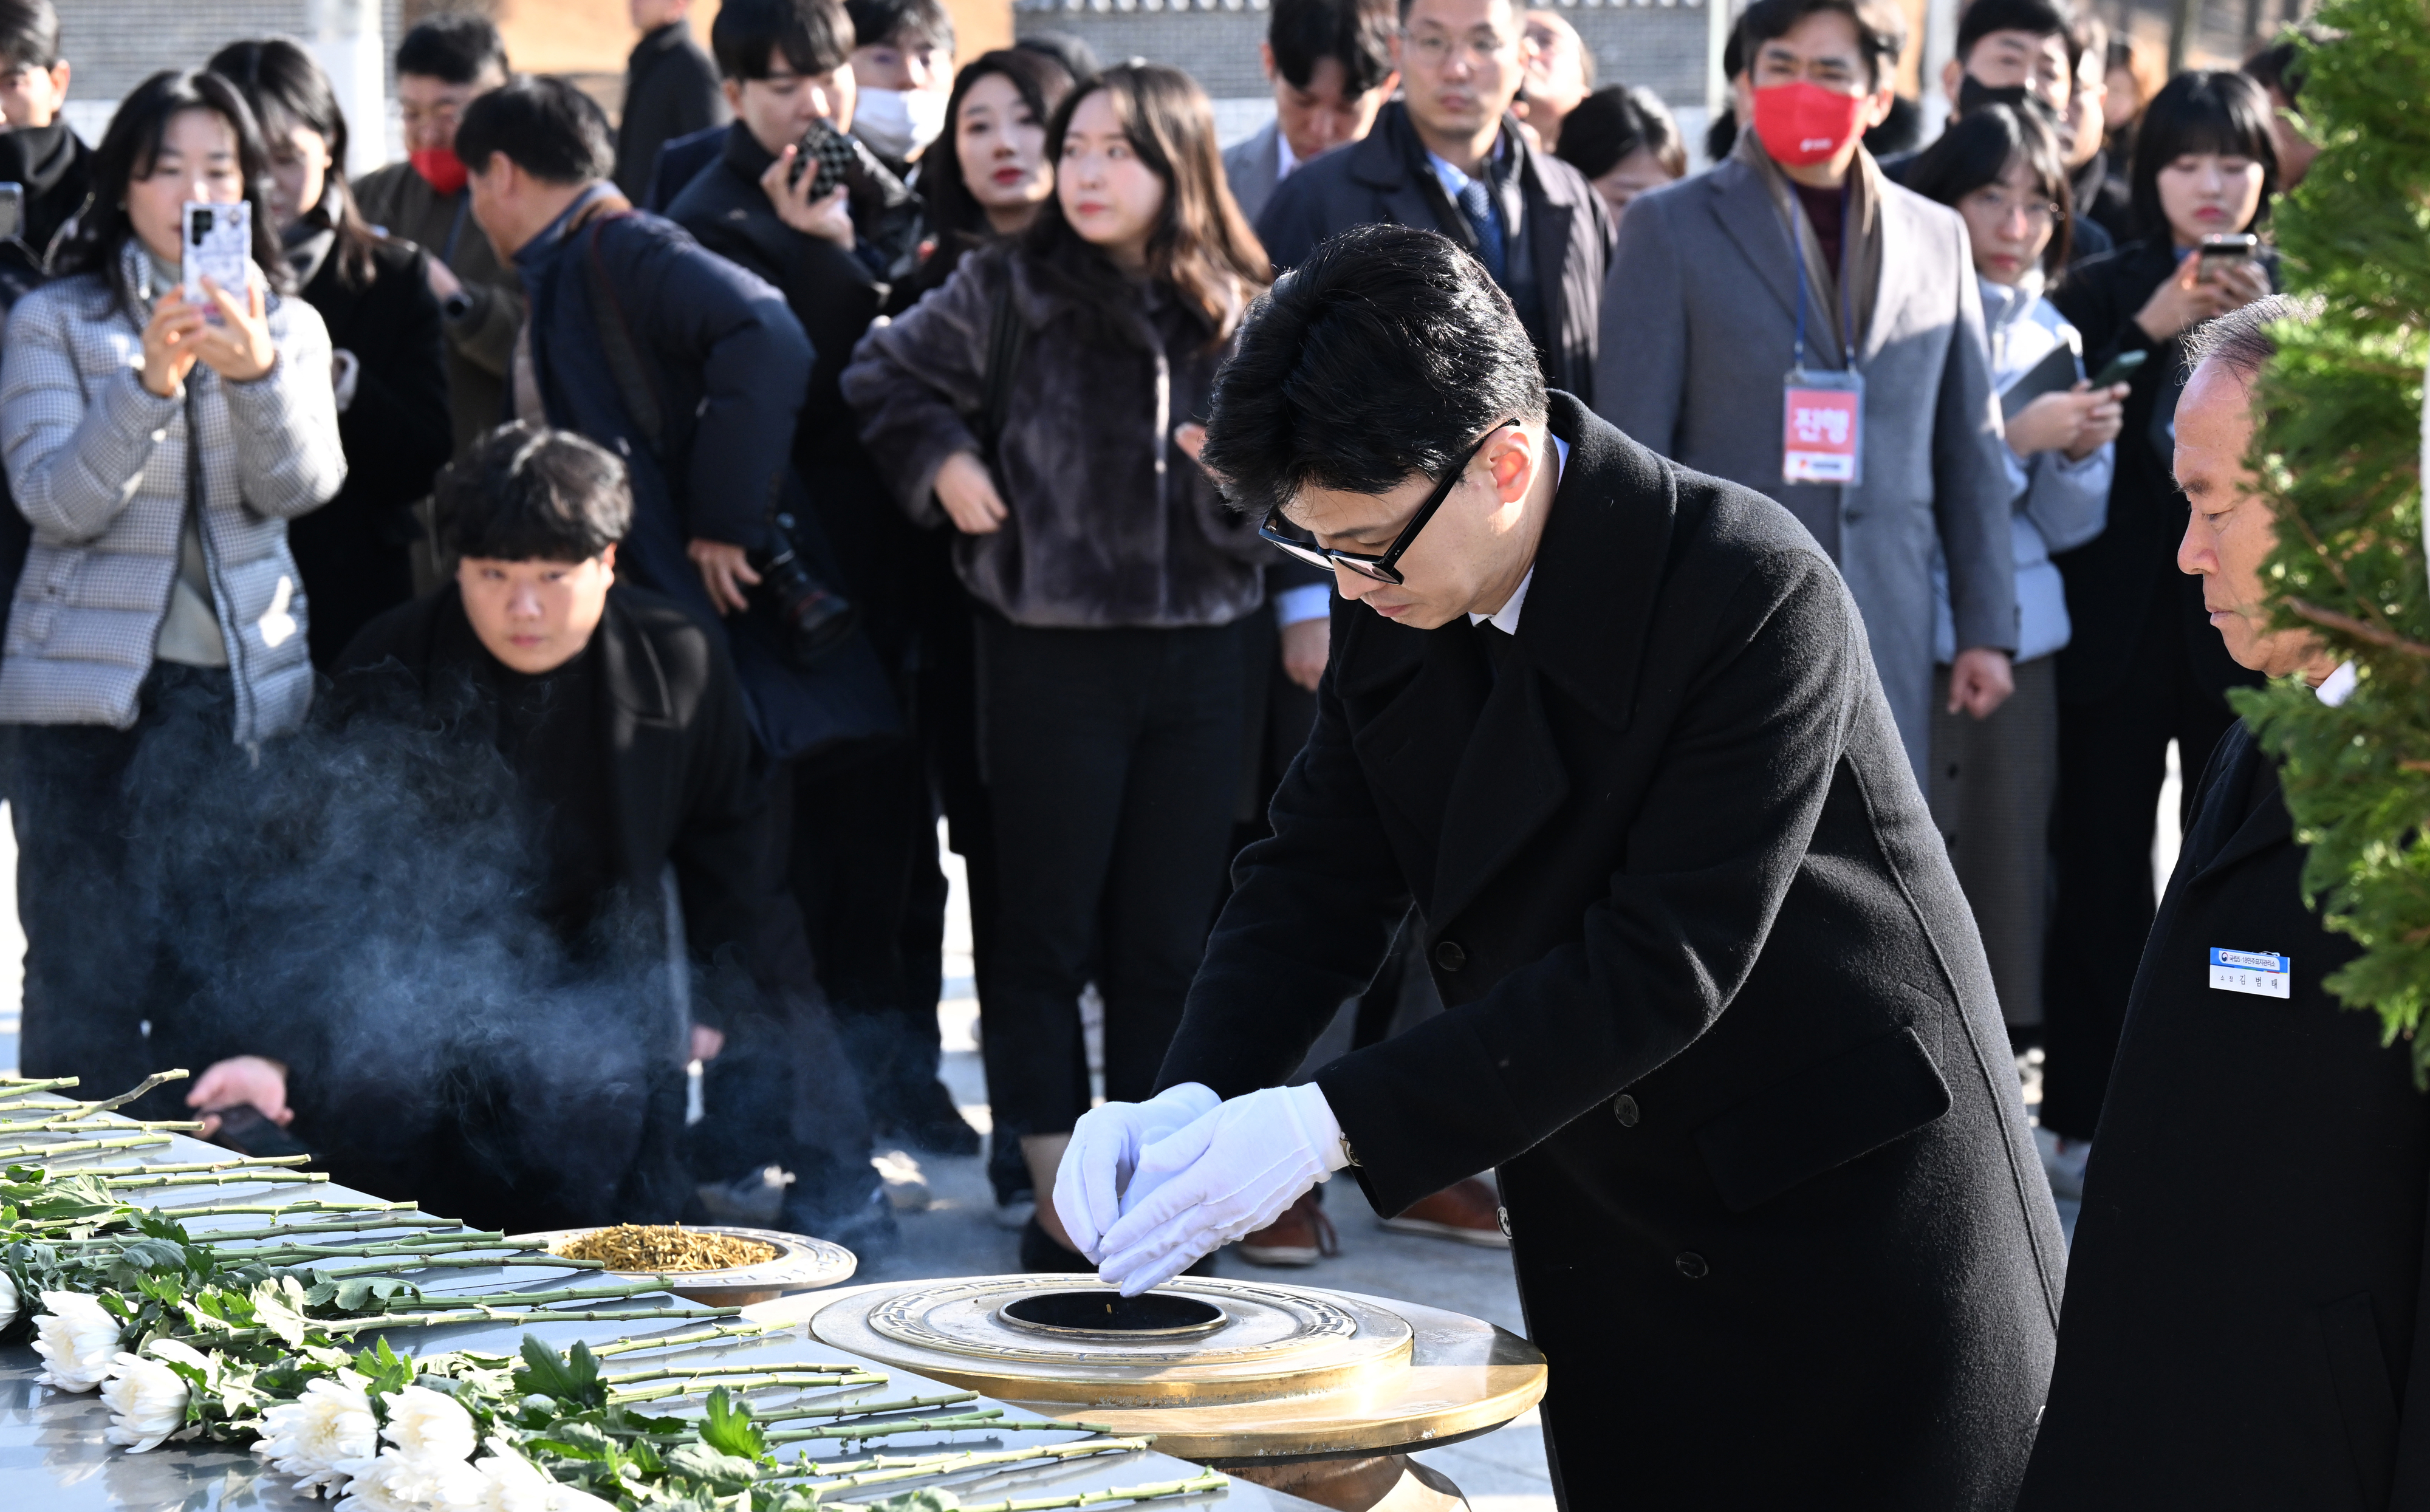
point(99, 464)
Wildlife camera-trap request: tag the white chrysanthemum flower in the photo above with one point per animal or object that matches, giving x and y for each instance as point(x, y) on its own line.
point(77, 1338)
point(147, 1400)
point(514, 1483)
point(432, 1426)
point(398, 1482)
point(10, 1303)
point(329, 1426)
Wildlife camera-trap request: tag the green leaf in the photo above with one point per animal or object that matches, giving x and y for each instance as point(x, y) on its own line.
point(572, 1378)
point(578, 1441)
point(922, 1501)
point(729, 1428)
point(721, 1473)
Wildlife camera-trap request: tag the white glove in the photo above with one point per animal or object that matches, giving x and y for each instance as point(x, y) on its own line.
point(1229, 1173)
point(1105, 1151)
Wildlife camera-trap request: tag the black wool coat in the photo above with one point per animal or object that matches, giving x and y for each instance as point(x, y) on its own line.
point(354, 551)
point(2243, 1307)
point(1382, 179)
point(1714, 1008)
point(670, 91)
point(679, 752)
point(833, 293)
point(2130, 570)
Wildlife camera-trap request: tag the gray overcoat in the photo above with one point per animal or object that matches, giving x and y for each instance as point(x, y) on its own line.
point(1249, 170)
point(1699, 321)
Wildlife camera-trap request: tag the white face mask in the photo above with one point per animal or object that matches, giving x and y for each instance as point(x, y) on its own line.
point(898, 122)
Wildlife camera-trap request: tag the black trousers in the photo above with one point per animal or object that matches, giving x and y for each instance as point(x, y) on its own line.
point(110, 985)
point(1114, 762)
point(2112, 761)
point(863, 871)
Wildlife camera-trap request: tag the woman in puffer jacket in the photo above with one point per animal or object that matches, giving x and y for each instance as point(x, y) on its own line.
point(157, 447)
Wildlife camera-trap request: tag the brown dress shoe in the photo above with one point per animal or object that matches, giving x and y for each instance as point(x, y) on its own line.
point(1301, 1237)
point(1468, 1211)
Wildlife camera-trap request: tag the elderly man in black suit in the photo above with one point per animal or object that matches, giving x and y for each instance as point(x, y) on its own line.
point(2241, 1323)
point(1716, 1008)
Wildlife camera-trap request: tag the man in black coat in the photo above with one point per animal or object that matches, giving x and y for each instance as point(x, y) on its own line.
point(1449, 157)
point(2242, 1317)
point(1715, 1006)
point(861, 853)
point(38, 149)
point(670, 90)
point(611, 724)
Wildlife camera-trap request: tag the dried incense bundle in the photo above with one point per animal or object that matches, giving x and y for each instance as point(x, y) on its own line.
point(665, 1247)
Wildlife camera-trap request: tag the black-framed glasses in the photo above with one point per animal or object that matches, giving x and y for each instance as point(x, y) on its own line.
point(1381, 569)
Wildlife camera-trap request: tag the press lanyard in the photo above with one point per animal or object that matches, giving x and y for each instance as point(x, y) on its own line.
point(1822, 414)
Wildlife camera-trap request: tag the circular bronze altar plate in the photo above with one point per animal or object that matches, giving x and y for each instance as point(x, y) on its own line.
point(1287, 1372)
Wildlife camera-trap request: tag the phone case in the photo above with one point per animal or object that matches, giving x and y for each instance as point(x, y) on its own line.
point(832, 154)
point(219, 239)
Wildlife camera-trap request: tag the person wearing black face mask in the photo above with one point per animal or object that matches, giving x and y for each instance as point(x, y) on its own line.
point(38, 149)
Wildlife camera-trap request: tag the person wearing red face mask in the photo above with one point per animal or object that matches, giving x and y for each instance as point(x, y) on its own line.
point(1747, 332)
point(443, 65)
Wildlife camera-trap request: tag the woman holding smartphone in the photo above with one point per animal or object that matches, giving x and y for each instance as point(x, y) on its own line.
point(391, 376)
point(1993, 779)
point(157, 446)
point(2144, 667)
point(1113, 585)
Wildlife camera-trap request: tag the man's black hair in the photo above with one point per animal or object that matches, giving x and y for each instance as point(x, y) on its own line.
point(29, 34)
point(1881, 28)
point(1388, 353)
point(900, 22)
point(526, 494)
point(454, 47)
point(812, 36)
point(2280, 66)
point(1357, 34)
point(2202, 109)
point(2035, 18)
point(545, 126)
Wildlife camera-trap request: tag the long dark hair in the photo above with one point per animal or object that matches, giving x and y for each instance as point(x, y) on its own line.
point(1202, 247)
point(1616, 121)
point(1977, 149)
point(2205, 110)
point(130, 147)
point(954, 214)
point(287, 89)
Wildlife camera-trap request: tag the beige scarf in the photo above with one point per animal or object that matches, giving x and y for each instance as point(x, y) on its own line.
point(1860, 236)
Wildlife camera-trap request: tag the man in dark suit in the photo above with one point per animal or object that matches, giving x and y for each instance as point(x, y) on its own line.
point(670, 90)
point(1448, 157)
point(2241, 1321)
point(1330, 65)
point(1716, 1007)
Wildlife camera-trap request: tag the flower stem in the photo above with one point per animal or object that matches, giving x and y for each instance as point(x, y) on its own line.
point(770, 1380)
point(534, 1299)
point(1156, 1491)
point(493, 1315)
point(856, 1409)
point(13, 1087)
point(988, 1418)
point(628, 1378)
point(705, 1336)
point(948, 1464)
point(436, 1262)
point(80, 1146)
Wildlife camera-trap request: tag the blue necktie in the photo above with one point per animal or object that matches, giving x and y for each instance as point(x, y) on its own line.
point(1476, 203)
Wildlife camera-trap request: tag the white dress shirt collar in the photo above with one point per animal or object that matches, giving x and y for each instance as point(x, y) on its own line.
point(1285, 159)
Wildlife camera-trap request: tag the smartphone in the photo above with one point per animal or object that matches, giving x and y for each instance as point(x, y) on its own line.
point(12, 211)
point(828, 152)
point(2219, 252)
point(219, 241)
point(2119, 369)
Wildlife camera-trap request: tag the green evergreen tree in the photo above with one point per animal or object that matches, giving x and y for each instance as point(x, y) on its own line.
point(2340, 447)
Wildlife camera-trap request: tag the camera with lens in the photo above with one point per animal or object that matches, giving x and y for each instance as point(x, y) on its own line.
point(810, 618)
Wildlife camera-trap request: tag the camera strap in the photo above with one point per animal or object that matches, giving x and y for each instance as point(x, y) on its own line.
point(625, 365)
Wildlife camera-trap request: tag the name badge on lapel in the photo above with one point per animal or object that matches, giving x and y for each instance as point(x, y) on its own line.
point(2256, 972)
point(1822, 427)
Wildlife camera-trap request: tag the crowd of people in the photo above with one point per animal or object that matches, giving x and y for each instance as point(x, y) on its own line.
point(585, 561)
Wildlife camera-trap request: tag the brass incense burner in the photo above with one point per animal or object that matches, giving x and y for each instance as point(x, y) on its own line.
point(1220, 1371)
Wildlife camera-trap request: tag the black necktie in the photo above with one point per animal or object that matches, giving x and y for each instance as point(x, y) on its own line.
point(1501, 649)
